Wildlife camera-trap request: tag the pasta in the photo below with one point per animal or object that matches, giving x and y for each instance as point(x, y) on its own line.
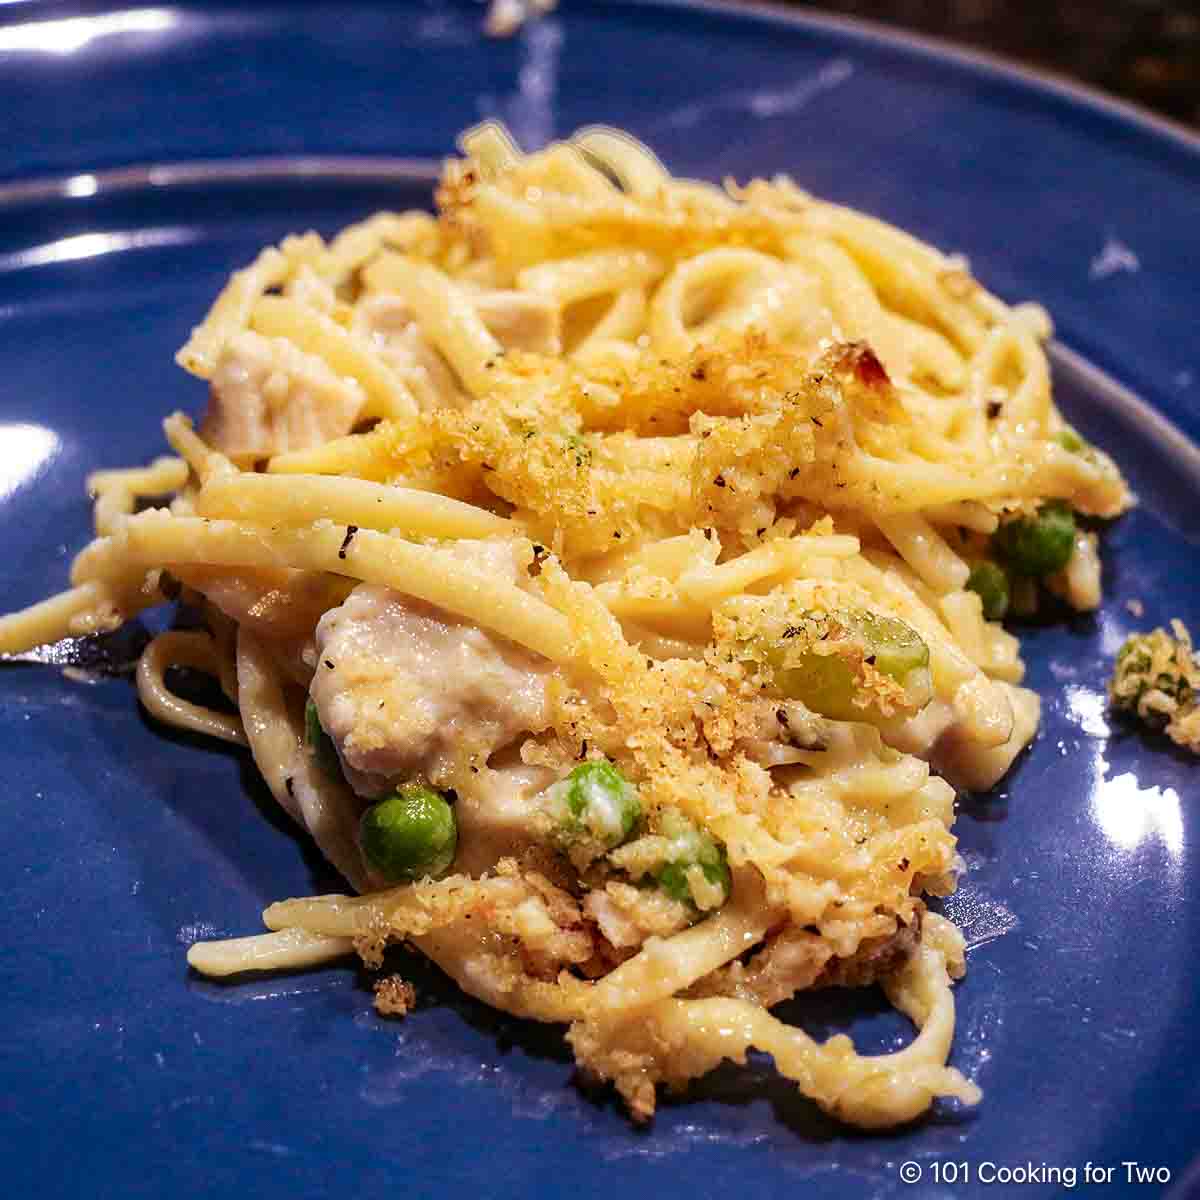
point(608, 574)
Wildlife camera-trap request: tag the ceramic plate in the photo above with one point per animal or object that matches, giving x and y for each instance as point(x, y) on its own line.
point(123, 1075)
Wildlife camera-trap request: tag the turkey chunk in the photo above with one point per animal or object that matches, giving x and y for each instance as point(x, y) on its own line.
point(268, 397)
point(407, 691)
point(390, 326)
point(517, 320)
point(520, 321)
point(498, 813)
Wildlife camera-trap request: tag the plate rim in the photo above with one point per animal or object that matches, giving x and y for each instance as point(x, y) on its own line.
point(83, 184)
point(1075, 94)
point(1044, 80)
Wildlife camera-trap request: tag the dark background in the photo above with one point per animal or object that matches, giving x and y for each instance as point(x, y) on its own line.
point(1147, 51)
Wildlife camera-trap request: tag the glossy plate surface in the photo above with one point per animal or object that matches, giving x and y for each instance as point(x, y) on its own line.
point(122, 1075)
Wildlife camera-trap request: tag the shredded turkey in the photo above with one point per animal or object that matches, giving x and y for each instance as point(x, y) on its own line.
point(273, 601)
point(520, 321)
point(407, 691)
point(517, 320)
point(268, 397)
point(628, 915)
point(497, 815)
point(391, 327)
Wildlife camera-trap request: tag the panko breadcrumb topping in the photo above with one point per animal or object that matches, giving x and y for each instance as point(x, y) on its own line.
point(1157, 679)
point(677, 728)
point(394, 997)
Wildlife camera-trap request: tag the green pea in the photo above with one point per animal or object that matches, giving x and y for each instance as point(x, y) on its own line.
point(990, 583)
point(690, 847)
point(320, 743)
point(827, 683)
point(409, 834)
point(897, 648)
point(1039, 545)
point(1070, 440)
point(595, 802)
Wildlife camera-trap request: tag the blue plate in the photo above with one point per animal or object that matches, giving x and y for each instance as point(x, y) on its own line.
point(120, 1074)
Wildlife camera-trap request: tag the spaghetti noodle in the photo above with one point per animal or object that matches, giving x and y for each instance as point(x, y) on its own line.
point(647, 541)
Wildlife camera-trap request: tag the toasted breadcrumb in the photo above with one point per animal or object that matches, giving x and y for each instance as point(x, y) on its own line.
point(671, 726)
point(394, 997)
point(543, 924)
point(777, 619)
point(1157, 679)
